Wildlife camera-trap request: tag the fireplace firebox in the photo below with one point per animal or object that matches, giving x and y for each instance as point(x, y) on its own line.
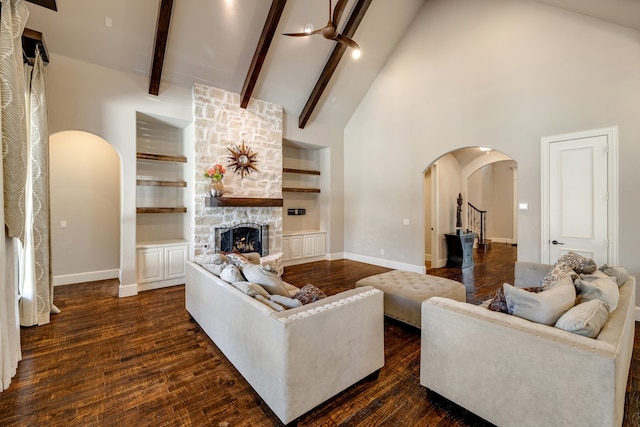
point(243, 238)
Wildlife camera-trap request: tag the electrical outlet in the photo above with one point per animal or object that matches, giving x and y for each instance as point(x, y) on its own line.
point(63, 224)
point(406, 221)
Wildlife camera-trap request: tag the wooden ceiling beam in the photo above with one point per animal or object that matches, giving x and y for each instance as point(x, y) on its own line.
point(49, 4)
point(357, 14)
point(268, 31)
point(160, 45)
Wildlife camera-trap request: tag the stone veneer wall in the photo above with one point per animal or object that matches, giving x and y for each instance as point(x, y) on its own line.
point(220, 123)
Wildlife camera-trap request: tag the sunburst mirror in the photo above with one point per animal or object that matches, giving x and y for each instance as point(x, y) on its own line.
point(242, 160)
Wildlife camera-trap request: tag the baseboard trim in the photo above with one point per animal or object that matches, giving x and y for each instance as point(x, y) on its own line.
point(506, 240)
point(637, 314)
point(90, 276)
point(386, 263)
point(128, 290)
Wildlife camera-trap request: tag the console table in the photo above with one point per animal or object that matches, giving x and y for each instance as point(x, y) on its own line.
point(460, 250)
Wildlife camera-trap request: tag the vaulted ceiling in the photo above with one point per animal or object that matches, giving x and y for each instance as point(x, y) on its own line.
point(220, 42)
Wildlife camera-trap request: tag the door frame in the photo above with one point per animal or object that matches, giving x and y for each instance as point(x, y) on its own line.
point(611, 133)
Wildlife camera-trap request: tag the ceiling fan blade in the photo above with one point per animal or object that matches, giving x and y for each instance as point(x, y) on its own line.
point(337, 12)
point(297, 34)
point(346, 40)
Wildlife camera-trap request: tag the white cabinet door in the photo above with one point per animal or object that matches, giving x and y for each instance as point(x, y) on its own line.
point(174, 259)
point(286, 249)
point(309, 245)
point(296, 246)
point(150, 265)
point(319, 248)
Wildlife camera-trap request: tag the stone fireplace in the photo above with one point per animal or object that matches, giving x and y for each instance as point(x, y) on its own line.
point(220, 124)
point(243, 238)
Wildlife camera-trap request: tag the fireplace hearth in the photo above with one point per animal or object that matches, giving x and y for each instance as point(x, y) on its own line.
point(243, 238)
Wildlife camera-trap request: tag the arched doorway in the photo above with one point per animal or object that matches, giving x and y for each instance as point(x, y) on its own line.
point(85, 188)
point(484, 177)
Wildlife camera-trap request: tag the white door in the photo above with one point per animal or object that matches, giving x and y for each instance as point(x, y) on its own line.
point(579, 200)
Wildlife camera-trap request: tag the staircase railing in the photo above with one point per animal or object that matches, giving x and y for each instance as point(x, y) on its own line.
point(477, 222)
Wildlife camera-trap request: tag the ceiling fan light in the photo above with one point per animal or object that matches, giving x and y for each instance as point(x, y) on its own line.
point(308, 28)
point(356, 53)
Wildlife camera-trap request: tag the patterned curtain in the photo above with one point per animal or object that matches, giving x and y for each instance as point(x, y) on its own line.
point(13, 16)
point(36, 288)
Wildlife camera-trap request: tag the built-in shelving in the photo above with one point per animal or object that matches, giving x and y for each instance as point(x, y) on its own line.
point(300, 190)
point(162, 210)
point(161, 157)
point(301, 171)
point(158, 183)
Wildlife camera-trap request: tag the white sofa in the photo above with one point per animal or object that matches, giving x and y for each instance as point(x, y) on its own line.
point(297, 358)
point(513, 372)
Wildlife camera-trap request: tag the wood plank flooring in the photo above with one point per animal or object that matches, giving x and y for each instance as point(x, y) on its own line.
point(110, 361)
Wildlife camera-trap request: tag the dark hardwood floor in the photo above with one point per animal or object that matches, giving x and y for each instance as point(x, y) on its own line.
point(140, 360)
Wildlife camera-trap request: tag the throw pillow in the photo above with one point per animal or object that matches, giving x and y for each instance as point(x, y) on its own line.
point(267, 301)
point(231, 274)
point(499, 302)
point(558, 271)
point(578, 263)
point(286, 302)
point(256, 274)
point(238, 259)
point(309, 293)
point(214, 268)
point(544, 307)
point(251, 289)
point(586, 319)
point(210, 259)
point(620, 273)
point(605, 289)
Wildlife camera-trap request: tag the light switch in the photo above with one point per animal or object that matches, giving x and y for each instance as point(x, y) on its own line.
point(406, 221)
point(63, 224)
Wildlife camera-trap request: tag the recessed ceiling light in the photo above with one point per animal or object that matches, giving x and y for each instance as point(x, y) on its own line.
point(356, 53)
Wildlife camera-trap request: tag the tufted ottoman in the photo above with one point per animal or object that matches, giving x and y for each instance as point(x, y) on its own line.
point(404, 292)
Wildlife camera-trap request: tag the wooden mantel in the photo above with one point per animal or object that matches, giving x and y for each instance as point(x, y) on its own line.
point(253, 202)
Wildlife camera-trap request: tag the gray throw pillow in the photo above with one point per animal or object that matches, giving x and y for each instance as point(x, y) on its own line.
point(286, 302)
point(214, 268)
point(267, 301)
point(602, 288)
point(620, 273)
point(586, 319)
point(269, 281)
point(210, 259)
point(231, 274)
point(544, 307)
point(251, 289)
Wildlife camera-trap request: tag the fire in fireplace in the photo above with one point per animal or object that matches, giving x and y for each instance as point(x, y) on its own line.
point(243, 238)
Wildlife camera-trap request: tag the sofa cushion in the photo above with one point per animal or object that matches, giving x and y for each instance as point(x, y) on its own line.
point(586, 319)
point(268, 280)
point(578, 263)
point(620, 273)
point(595, 287)
point(309, 293)
point(285, 301)
point(544, 307)
point(231, 274)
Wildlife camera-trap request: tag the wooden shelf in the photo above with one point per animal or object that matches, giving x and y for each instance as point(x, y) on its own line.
point(302, 171)
point(157, 183)
point(300, 190)
point(161, 157)
point(161, 210)
point(221, 202)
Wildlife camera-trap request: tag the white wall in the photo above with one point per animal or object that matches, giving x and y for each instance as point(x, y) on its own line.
point(102, 101)
point(502, 73)
point(85, 194)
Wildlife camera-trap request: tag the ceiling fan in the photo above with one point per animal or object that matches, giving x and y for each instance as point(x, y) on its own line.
point(330, 31)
